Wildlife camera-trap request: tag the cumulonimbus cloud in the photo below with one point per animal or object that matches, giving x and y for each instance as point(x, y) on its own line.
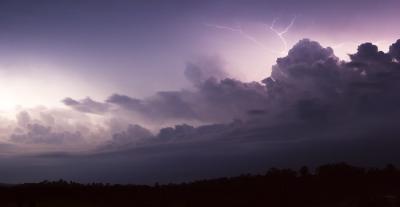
point(313, 108)
point(309, 90)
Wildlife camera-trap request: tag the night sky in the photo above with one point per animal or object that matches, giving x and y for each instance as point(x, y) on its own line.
point(169, 91)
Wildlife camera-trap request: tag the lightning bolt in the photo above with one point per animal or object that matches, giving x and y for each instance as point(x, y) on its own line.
point(281, 33)
point(254, 40)
point(244, 34)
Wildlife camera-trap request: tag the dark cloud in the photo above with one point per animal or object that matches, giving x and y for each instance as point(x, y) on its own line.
point(308, 71)
point(212, 100)
point(162, 106)
point(126, 139)
point(368, 52)
point(125, 101)
point(394, 50)
point(86, 105)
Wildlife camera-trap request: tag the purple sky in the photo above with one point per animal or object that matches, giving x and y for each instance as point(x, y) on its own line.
point(97, 85)
point(96, 48)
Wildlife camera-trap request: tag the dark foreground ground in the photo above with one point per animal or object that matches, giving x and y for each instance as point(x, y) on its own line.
point(336, 185)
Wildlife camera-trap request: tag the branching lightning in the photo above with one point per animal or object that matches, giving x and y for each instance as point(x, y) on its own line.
point(281, 33)
point(244, 34)
point(342, 48)
point(254, 40)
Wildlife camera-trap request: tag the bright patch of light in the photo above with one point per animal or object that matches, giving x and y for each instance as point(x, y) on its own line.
point(34, 88)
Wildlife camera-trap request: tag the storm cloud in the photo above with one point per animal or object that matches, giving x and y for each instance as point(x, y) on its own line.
point(314, 108)
point(309, 91)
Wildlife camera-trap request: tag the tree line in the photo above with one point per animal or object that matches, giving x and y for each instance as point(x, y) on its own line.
point(334, 185)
